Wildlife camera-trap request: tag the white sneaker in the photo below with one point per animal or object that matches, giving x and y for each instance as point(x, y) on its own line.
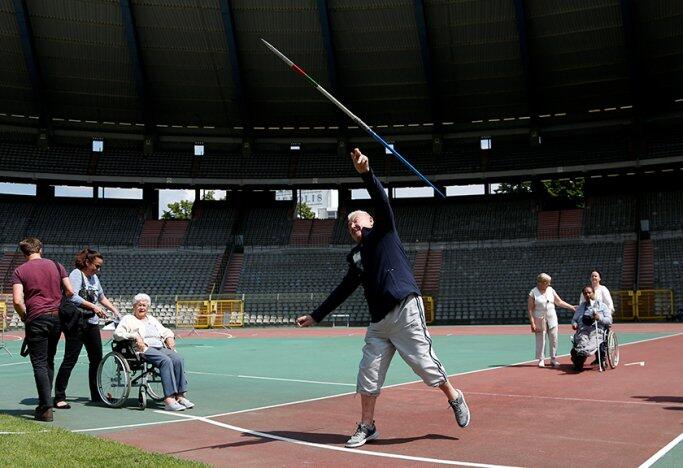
point(185, 402)
point(363, 434)
point(541, 363)
point(555, 363)
point(175, 406)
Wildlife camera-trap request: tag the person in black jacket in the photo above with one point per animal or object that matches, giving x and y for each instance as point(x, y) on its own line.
point(380, 264)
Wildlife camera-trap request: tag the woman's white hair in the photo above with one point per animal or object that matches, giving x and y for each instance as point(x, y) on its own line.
point(353, 214)
point(142, 297)
point(544, 277)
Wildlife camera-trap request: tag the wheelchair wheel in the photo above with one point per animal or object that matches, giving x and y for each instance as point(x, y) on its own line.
point(612, 350)
point(113, 380)
point(154, 387)
point(142, 398)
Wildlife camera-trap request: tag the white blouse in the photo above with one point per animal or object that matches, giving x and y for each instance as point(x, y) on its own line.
point(544, 305)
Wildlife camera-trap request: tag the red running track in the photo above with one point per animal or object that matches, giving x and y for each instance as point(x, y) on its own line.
point(521, 416)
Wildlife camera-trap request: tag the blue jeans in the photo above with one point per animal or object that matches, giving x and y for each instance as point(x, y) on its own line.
point(171, 369)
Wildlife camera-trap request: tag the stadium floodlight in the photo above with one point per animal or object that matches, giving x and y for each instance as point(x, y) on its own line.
point(485, 143)
point(295, 147)
point(199, 149)
point(97, 145)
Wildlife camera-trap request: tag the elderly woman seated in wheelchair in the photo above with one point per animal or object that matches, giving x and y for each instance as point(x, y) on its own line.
point(142, 343)
point(592, 321)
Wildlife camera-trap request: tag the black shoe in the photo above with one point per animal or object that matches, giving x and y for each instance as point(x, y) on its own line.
point(577, 361)
point(43, 414)
point(364, 433)
point(61, 404)
point(461, 410)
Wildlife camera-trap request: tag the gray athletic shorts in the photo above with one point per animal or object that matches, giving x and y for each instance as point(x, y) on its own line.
point(403, 330)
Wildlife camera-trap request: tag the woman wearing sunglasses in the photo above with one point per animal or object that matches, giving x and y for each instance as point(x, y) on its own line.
point(89, 299)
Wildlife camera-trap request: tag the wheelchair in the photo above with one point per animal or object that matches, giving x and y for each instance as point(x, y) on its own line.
point(123, 368)
point(608, 349)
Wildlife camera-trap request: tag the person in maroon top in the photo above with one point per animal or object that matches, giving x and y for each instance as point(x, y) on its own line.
point(36, 292)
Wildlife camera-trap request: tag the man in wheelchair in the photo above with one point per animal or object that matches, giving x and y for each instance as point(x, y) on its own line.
point(589, 338)
point(155, 344)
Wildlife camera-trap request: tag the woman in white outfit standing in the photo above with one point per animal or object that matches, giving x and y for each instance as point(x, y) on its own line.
point(602, 294)
point(543, 318)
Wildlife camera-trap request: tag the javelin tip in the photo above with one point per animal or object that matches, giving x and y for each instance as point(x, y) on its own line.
point(277, 52)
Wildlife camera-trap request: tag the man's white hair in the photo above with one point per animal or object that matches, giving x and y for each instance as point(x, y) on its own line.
point(353, 214)
point(142, 297)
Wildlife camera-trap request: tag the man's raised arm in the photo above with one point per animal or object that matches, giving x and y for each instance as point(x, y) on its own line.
point(383, 215)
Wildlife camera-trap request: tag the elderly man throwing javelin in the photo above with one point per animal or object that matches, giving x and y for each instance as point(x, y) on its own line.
point(380, 264)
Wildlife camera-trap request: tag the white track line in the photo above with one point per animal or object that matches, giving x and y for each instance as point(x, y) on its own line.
point(279, 405)
point(334, 447)
point(279, 379)
point(295, 380)
point(15, 363)
point(126, 426)
point(663, 451)
point(211, 373)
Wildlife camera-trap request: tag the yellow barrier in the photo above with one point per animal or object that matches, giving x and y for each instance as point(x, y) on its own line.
point(230, 311)
point(625, 308)
point(655, 304)
point(192, 314)
point(644, 304)
point(209, 314)
point(429, 308)
point(3, 316)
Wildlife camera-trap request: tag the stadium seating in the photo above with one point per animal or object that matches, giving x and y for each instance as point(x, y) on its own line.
point(275, 284)
point(73, 221)
point(614, 213)
point(490, 284)
point(664, 210)
point(55, 160)
point(482, 218)
point(268, 225)
point(212, 224)
point(488, 243)
point(13, 227)
point(668, 262)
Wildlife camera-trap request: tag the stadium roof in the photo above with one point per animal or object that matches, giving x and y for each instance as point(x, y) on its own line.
point(201, 63)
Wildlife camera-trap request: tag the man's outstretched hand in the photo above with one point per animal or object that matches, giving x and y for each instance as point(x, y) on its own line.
point(305, 321)
point(360, 161)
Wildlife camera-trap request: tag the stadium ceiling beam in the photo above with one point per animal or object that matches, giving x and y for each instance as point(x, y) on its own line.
point(425, 52)
point(326, 30)
point(520, 17)
point(32, 65)
point(235, 68)
point(136, 61)
point(628, 18)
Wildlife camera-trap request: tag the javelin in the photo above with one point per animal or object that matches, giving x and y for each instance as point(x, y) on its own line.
point(297, 69)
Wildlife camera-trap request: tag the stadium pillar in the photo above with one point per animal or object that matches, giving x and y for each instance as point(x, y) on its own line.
point(150, 196)
point(344, 196)
point(45, 191)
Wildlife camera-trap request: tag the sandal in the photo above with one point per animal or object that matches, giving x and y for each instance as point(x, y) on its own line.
point(62, 405)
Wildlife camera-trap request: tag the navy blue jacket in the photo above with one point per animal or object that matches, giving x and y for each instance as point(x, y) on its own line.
point(378, 262)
